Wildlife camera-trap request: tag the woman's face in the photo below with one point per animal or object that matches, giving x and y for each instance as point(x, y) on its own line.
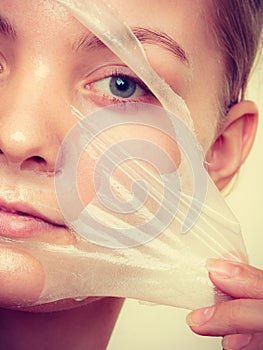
point(48, 62)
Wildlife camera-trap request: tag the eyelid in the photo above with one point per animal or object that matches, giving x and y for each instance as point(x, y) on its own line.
point(103, 85)
point(136, 80)
point(114, 71)
point(103, 99)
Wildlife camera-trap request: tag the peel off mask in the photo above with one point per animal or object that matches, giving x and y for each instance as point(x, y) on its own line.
point(131, 184)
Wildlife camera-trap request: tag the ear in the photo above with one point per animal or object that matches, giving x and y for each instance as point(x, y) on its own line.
point(233, 143)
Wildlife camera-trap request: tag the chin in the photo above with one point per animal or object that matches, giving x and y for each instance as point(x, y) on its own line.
point(59, 305)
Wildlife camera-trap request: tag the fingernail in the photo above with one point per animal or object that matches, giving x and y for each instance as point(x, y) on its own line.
point(236, 342)
point(200, 317)
point(222, 268)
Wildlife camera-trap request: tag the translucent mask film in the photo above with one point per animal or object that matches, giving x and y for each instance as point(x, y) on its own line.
point(152, 215)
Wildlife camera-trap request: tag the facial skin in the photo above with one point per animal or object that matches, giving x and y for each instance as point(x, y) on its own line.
point(43, 73)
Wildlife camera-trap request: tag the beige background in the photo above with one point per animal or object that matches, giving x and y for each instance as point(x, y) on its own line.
point(143, 326)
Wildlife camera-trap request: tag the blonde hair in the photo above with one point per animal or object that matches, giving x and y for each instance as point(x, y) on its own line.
point(237, 27)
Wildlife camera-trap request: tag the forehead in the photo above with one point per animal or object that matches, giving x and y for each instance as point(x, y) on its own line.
point(177, 17)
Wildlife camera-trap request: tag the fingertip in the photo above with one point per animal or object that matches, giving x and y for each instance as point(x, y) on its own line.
point(223, 269)
point(199, 317)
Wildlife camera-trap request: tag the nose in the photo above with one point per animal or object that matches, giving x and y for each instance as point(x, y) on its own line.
point(30, 134)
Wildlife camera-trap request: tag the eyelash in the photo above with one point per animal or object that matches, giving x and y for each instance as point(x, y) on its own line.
point(107, 98)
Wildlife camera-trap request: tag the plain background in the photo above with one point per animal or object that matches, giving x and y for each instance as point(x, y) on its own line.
point(144, 327)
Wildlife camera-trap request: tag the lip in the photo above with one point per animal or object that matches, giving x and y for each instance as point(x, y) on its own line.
point(20, 220)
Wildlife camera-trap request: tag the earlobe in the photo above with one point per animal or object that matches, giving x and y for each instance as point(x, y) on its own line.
point(233, 143)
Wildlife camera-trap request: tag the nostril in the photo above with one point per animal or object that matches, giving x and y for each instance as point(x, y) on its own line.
point(35, 163)
point(38, 159)
point(2, 157)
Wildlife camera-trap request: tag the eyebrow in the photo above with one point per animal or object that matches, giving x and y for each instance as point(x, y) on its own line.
point(144, 35)
point(6, 28)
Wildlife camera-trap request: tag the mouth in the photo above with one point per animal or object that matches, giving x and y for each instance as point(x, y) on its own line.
point(20, 220)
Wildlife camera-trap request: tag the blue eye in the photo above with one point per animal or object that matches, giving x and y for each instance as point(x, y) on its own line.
point(122, 87)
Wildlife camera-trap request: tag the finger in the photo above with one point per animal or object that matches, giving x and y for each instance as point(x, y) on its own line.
point(236, 341)
point(236, 279)
point(243, 341)
point(235, 316)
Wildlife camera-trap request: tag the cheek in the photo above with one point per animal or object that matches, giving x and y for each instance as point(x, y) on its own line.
point(118, 158)
point(85, 175)
point(205, 119)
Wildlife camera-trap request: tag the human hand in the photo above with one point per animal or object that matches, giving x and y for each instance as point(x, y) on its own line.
point(239, 321)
